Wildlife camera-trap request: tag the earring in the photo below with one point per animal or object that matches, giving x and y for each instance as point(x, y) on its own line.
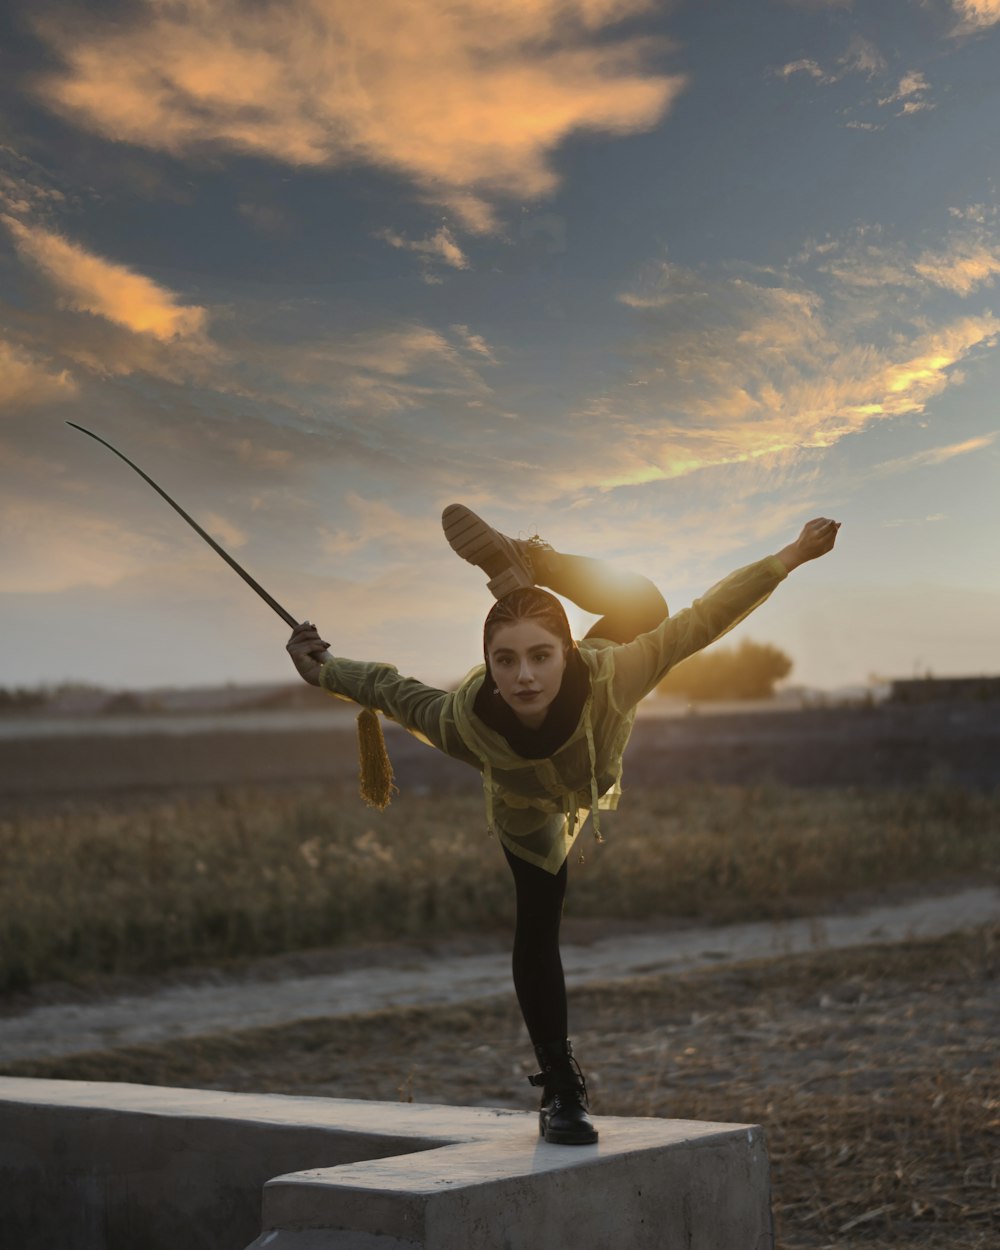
point(496, 689)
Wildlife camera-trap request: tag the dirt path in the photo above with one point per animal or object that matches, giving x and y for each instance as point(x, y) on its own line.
point(410, 976)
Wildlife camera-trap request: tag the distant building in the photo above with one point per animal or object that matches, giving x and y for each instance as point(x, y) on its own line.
point(945, 690)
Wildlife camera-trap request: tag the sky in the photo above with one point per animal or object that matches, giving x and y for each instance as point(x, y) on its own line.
point(656, 281)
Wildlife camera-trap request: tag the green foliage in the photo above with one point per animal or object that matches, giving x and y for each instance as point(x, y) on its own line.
point(748, 671)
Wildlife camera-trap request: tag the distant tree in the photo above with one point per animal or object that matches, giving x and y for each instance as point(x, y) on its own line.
point(21, 699)
point(749, 671)
point(125, 702)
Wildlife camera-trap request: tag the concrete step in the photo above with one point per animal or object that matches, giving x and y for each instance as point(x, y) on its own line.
point(103, 1166)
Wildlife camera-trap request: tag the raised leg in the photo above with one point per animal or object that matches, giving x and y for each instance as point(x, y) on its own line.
point(627, 603)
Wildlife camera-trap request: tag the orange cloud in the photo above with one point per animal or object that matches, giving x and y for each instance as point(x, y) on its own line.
point(440, 247)
point(912, 83)
point(861, 57)
point(732, 371)
point(389, 370)
point(976, 14)
point(87, 283)
point(933, 456)
point(963, 269)
point(467, 99)
point(26, 383)
point(969, 258)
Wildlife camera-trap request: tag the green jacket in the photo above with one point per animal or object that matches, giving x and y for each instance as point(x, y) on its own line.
point(538, 807)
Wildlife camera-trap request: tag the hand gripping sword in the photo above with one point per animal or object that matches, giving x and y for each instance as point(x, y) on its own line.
point(254, 585)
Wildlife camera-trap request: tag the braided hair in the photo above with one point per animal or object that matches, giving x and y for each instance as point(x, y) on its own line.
point(528, 603)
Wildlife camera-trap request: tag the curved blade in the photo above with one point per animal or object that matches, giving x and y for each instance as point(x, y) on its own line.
point(254, 585)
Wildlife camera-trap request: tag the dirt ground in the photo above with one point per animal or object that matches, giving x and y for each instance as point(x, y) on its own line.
point(58, 1020)
point(874, 1071)
point(873, 1068)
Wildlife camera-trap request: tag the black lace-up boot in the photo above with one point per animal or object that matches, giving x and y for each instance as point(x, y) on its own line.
point(563, 1117)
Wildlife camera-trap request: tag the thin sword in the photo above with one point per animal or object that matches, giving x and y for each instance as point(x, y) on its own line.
point(254, 585)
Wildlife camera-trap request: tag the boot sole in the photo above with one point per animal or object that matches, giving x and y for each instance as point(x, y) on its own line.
point(555, 1138)
point(471, 538)
point(569, 1139)
point(561, 1139)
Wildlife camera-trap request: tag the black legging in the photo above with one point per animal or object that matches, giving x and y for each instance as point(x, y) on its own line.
point(629, 605)
point(538, 972)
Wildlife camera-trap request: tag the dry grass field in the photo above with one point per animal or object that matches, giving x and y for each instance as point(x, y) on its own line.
point(142, 885)
point(873, 1071)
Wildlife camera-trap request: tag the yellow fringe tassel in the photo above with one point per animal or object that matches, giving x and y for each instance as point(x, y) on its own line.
point(376, 768)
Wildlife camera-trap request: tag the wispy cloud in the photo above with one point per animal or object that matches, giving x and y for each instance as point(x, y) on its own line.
point(900, 522)
point(732, 369)
point(99, 317)
point(969, 258)
point(804, 65)
point(932, 456)
point(469, 101)
point(394, 400)
point(976, 14)
point(911, 92)
point(475, 343)
point(26, 382)
point(962, 269)
point(91, 284)
point(384, 369)
point(860, 57)
point(24, 186)
point(439, 247)
point(722, 406)
point(380, 391)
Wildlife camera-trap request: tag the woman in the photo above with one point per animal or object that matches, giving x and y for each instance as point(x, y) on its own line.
point(546, 721)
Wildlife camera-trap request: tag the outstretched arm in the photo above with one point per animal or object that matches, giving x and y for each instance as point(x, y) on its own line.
point(378, 686)
point(641, 665)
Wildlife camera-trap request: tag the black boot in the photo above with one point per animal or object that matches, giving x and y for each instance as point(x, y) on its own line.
point(563, 1117)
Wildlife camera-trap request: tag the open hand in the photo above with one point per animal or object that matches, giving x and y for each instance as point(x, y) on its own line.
point(307, 650)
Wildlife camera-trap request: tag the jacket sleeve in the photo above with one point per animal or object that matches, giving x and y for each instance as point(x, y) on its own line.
point(640, 666)
point(405, 700)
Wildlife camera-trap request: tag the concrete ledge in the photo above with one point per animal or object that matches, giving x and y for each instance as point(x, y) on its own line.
point(128, 1167)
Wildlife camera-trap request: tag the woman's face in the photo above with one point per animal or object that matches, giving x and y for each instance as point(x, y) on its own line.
point(527, 663)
